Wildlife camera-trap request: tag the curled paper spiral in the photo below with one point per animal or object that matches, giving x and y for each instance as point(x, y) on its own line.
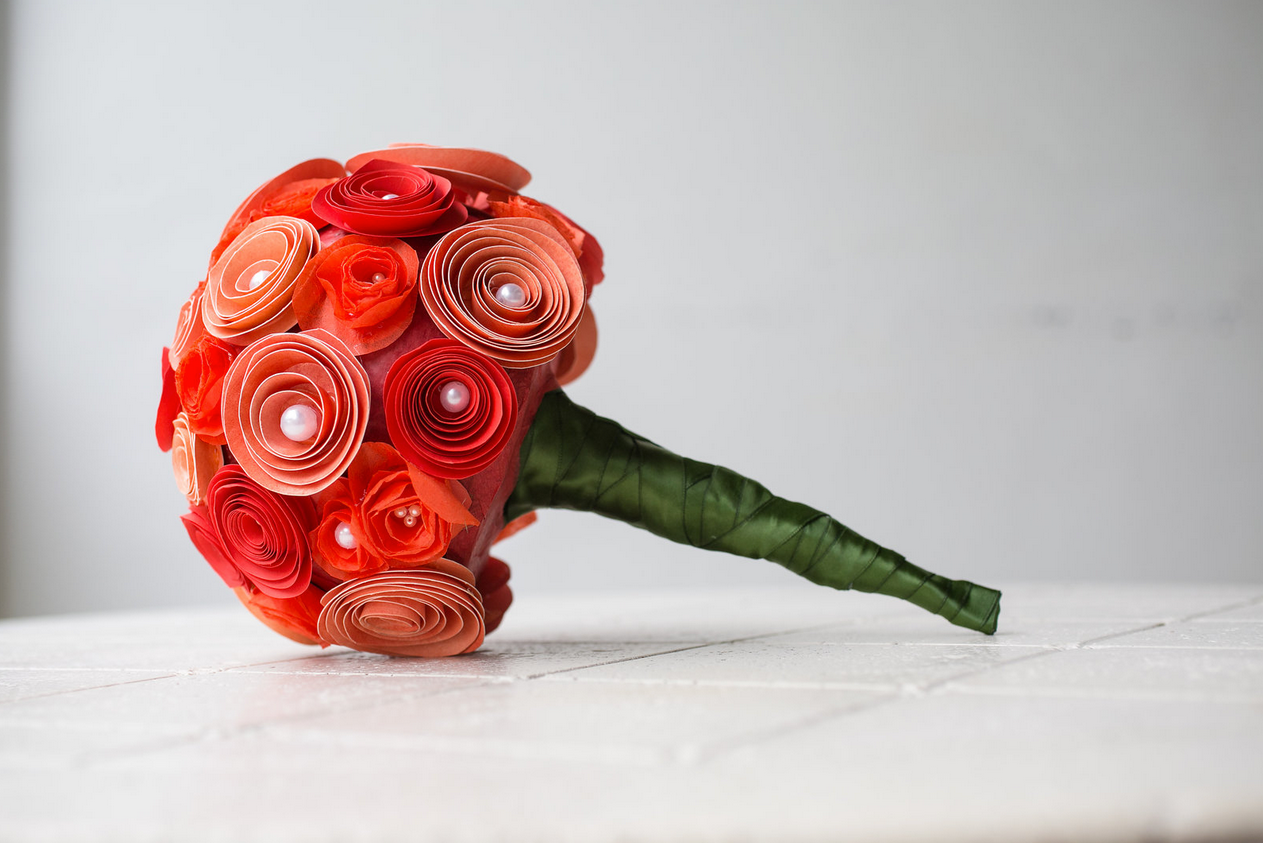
point(508, 288)
point(189, 327)
point(193, 460)
point(450, 411)
point(249, 291)
point(385, 199)
point(262, 535)
point(432, 611)
point(295, 409)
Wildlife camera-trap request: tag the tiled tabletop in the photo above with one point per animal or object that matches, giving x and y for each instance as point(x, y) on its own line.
point(1099, 713)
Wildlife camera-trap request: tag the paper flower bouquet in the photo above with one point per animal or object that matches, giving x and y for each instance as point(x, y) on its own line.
point(363, 396)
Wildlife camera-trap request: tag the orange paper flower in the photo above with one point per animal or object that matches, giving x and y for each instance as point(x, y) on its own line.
point(338, 542)
point(293, 617)
point(508, 288)
point(295, 409)
point(194, 460)
point(426, 612)
point(250, 289)
point(199, 381)
point(363, 290)
point(407, 517)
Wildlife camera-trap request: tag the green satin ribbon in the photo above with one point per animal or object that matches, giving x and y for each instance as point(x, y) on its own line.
point(575, 459)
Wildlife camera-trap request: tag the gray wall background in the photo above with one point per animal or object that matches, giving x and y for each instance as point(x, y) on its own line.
point(982, 279)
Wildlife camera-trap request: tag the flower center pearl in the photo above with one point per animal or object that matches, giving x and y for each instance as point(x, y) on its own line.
point(408, 514)
point(258, 278)
point(390, 195)
point(511, 295)
point(344, 537)
point(299, 422)
point(378, 277)
point(454, 397)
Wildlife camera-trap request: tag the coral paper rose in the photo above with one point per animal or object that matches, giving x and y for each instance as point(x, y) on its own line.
point(189, 327)
point(433, 611)
point(199, 381)
point(385, 199)
point(194, 460)
point(293, 617)
point(450, 411)
point(250, 289)
point(472, 170)
point(261, 534)
point(508, 288)
point(363, 290)
point(338, 542)
point(406, 517)
point(295, 409)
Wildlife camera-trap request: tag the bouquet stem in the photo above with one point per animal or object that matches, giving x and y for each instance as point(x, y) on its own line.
point(574, 459)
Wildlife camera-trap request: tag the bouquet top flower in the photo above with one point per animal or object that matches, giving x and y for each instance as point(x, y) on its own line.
point(363, 395)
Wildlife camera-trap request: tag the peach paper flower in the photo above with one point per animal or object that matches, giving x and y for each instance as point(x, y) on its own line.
point(194, 460)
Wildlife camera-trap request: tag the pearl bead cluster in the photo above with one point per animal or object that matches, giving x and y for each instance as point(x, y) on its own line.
point(408, 514)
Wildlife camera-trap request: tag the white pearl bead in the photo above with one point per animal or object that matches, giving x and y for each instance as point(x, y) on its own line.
point(401, 512)
point(414, 511)
point(454, 397)
point(258, 278)
point(378, 277)
point(299, 422)
point(410, 521)
point(390, 195)
point(344, 537)
point(511, 295)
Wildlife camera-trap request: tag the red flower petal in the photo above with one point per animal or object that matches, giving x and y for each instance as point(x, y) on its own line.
point(168, 404)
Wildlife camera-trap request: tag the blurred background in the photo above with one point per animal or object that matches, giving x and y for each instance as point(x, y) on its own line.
point(984, 280)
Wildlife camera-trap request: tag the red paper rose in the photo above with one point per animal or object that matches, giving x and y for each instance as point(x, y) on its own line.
point(384, 199)
point(363, 290)
point(508, 288)
point(406, 517)
point(202, 533)
point(450, 411)
point(199, 381)
point(293, 617)
point(250, 289)
point(426, 612)
point(295, 409)
point(261, 534)
point(471, 170)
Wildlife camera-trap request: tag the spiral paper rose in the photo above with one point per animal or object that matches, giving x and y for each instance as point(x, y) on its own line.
point(262, 535)
point(472, 170)
point(250, 289)
point(509, 288)
point(199, 381)
point(193, 460)
point(363, 290)
point(450, 411)
point(188, 327)
point(295, 408)
point(385, 199)
point(434, 611)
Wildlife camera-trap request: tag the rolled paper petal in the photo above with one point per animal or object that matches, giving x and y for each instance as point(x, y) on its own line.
point(293, 617)
point(288, 194)
point(250, 289)
point(406, 517)
point(449, 438)
point(311, 374)
point(575, 358)
point(516, 526)
point(168, 405)
point(509, 288)
point(199, 381)
point(189, 328)
point(385, 199)
point(584, 245)
point(339, 545)
point(425, 612)
point(263, 535)
point(493, 586)
point(193, 460)
point(574, 459)
point(363, 290)
point(204, 537)
point(472, 170)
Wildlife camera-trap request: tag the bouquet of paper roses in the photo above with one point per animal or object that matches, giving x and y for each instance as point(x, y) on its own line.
point(363, 396)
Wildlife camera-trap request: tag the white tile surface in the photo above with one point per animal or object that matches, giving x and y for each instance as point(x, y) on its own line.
point(1098, 714)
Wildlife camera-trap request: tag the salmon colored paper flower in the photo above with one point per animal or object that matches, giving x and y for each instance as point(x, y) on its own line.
point(199, 381)
point(194, 460)
point(363, 290)
point(295, 409)
point(508, 288)
point(385, 199)
point(189, 328)
point(434, 611)
point(293, 617)
point(584, 245)
point(472, 170)
point(450, 411)
point(250, 289)
point(406, 517)
point(261, 534)
point(338, 544)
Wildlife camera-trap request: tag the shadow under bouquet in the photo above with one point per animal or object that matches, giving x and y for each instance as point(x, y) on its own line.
point(364, 395)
